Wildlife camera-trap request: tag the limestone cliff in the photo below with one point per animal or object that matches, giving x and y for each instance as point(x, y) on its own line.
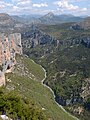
point(10, 44)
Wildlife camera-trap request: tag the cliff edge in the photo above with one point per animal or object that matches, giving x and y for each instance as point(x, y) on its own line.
point(10, 44)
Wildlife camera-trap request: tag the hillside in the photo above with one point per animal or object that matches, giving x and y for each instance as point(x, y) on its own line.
point(6, 20)
point(14, 106)
point(9, 24)
point(85, 23)
point(66, 61)
point(62, 49)
point(6, 23)
point(26, 79)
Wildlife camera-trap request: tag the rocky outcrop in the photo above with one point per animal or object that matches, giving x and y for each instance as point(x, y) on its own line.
point(10, 44)
point(2, 79)
point(83, 25)
point(79, 40)
point(36, 37)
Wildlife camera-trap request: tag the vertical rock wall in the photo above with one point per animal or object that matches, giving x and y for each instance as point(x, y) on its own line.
point(2, 79)
point(9, 46)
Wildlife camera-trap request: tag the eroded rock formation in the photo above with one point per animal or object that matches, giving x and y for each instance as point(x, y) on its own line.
point(10, 44)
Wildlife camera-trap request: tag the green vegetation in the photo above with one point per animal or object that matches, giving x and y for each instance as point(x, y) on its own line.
point(18, 107)
point(87, 104)
point(32, 67)
point(63, 31)
point(33, 89)
point(67, 65)
point(67, 76)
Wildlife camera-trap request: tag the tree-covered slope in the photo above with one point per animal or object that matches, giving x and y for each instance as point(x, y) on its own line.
point(68, 66)
point(26, 79)
point(15, 106)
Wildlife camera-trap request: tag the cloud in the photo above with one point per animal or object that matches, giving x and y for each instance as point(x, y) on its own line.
point(20, 1)
point(40, 5)
point(24, 3)
point(21, 6)
point(32, 7)
point(5, 4)
point(2, 6)
point(66, 5)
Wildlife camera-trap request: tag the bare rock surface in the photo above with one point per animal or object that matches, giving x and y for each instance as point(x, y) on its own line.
point(10, 45)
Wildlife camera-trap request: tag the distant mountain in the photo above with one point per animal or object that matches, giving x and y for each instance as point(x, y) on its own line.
point(9, 23)
point(27, 19)
point(50, 15)
point(31, 16)
point(6, 20)
point(50, 18)
point(85, 23)
point(70, 18)
point(17, 23)
point(17, 18)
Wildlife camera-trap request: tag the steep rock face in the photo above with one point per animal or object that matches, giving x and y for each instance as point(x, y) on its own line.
point(9, 46)
point(79, 40)
point(2, 79)
point(36, 37)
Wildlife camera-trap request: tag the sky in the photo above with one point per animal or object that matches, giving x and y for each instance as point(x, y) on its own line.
point(26, 7)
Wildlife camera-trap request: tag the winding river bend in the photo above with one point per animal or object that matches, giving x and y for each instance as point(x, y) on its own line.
point(42, 82)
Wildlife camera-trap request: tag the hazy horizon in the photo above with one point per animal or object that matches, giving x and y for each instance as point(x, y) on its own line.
point(38, 15)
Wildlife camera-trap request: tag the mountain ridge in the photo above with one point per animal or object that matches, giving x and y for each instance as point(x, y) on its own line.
point(51, 18)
